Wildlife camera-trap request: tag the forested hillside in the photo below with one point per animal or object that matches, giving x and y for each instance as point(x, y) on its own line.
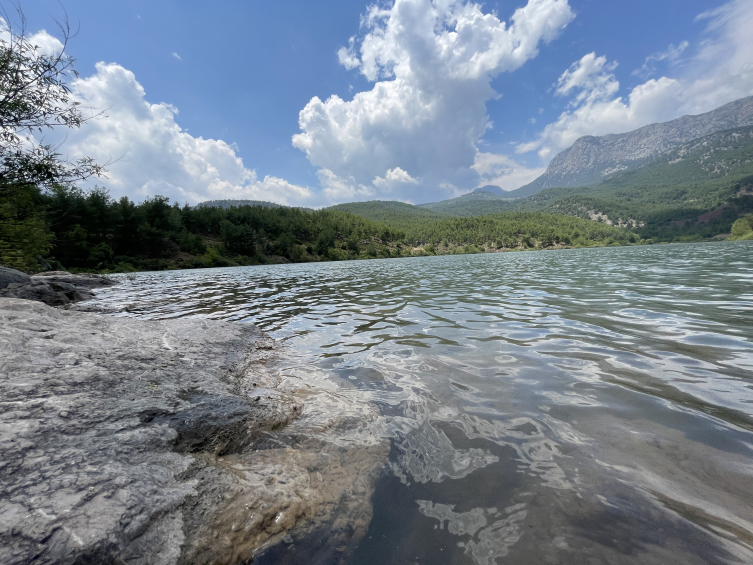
point(693, 192)
point(397, 214)
point(472, 204)
point(90, 231)
point(237, 203)
point(697, 190)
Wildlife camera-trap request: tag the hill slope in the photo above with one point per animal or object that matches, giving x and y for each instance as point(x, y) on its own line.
point(432, 232)
point(476, 203)
point(699, 188)
point(398, 215)
point(591, 159)
point(225, 204)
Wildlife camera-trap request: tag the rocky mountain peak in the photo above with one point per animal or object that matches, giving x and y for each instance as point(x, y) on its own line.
point(592, 158)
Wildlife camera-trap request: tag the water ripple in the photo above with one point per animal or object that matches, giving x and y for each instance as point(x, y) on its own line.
point(549, 404)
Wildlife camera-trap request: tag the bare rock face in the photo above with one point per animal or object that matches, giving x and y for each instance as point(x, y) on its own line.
point(591, 159)
point(143, 442)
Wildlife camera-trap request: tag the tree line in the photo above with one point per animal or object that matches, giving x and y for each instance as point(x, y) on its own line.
point(48, 221)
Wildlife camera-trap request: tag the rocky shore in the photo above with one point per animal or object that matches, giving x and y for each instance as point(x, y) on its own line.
point(54, 288)
point(168, 442)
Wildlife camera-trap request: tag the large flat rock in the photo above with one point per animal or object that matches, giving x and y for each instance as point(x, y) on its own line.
point(164, 442)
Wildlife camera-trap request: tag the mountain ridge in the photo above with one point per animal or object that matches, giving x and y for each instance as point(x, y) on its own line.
point(593, 158)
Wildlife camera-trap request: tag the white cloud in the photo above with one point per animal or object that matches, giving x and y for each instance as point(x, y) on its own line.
point(342, 189)
point(177, 56)
point(153, 155)
point(721, 70)
point(504, 171)
point(46, 43)
point(592, 76)
point(432, 63)
point(394, 177)
point(671, 54)
point(347, 55)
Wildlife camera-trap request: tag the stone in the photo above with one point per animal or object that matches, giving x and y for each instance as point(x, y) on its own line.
point(85, 280)
point(52, 293)
point(54, 288)
point(169, 442)
point(8, 276)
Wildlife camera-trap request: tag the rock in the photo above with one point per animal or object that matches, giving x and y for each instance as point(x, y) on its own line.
point(84, 280)
point(54, 288)
point(168, 442)
point(52, 294)
point(590, 159)
point(8, 276)
point(52, 273)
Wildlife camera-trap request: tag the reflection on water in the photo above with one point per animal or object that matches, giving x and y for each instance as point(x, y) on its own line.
point(582, 406)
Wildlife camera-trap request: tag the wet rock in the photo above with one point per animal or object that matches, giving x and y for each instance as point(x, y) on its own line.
point(54, 288)
point(52, 294)
point(12, 276)
point(165, 442)
point(83, 280)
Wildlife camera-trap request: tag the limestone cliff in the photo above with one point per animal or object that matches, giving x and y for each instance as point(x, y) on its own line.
point(591, 159)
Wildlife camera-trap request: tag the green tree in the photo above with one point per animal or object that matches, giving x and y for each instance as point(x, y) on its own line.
point(35, 97)
point(743, 228)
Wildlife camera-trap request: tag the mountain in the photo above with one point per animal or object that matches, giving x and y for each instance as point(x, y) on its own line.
point(696, 190)
point(392, 212)
point(700, 188)
point(476, 203)
point(230, 203)
point(225, 204)
point(591, 158)
point(490, 188)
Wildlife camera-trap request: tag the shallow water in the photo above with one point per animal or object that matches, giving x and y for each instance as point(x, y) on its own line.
point(578, 406)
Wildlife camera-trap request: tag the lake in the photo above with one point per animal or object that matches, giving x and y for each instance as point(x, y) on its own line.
point(572, 406)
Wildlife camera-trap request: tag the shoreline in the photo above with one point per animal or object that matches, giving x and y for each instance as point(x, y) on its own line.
point(168, 442)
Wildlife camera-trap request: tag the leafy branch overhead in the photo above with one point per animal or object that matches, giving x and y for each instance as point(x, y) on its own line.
point(35, 96)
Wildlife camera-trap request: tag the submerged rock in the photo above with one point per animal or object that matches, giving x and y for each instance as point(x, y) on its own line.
point(166, 442)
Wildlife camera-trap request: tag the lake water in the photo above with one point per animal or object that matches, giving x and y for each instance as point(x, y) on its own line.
point(576, 406)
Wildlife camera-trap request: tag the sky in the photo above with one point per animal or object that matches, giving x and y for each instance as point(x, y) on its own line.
point(315, 103)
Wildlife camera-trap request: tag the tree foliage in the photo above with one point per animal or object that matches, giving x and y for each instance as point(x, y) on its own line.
point(94, 232)
point(35, 97)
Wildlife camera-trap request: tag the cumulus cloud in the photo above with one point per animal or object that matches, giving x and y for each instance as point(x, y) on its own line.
point(342, 189)
point(591, 77)
point(431, 63)
point(347, 55)
point(504, 171)
point(394, 177)
point(721, 70)
point(46, 43)
point(151, 154)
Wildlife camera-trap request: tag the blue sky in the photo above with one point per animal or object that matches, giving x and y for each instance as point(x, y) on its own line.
point(203, 100)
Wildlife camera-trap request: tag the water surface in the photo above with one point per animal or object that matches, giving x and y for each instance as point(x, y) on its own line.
point(575, 406)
